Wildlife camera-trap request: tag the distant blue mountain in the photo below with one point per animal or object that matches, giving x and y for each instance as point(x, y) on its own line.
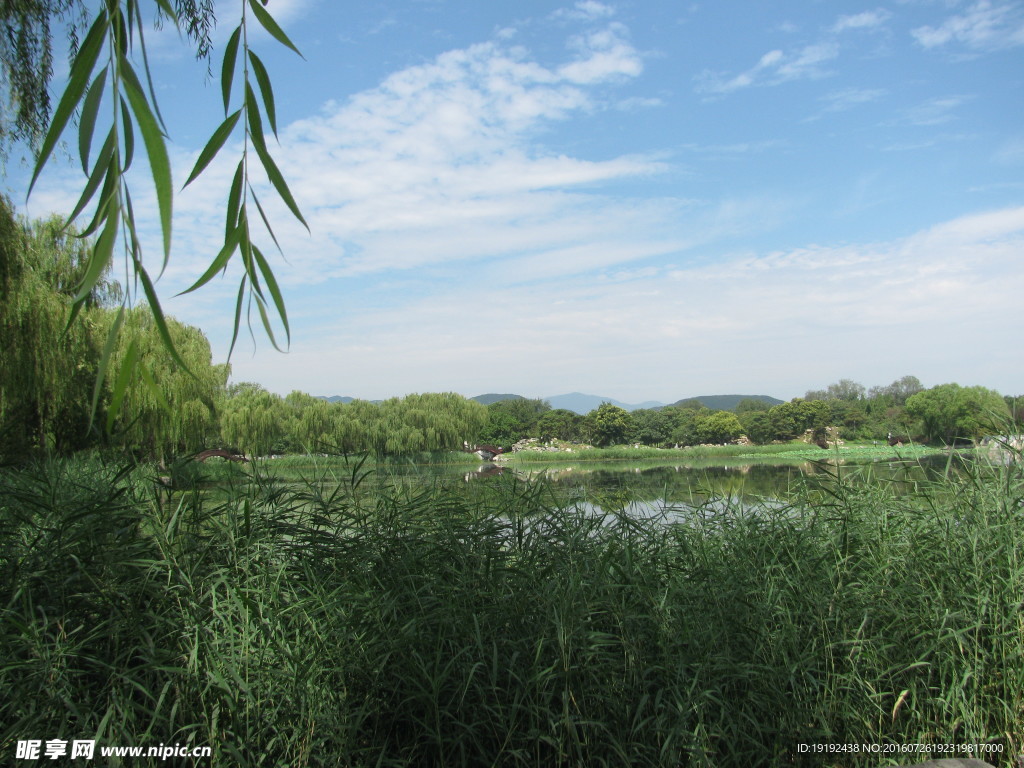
point(342, 399)
point(583, 404)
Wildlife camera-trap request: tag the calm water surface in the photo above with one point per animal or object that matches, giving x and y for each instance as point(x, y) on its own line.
point(618, 485)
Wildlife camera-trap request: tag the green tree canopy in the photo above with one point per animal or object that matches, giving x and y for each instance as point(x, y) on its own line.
point(167, 410)
point(654, 426)
point(560, 424)
point(110, 92)
point(950, 412)
point(45, 370)
point(609, 425)
point(899, 391)
point(253, 420)
point(310, 422)
point(718, 427)
point(512, 420)
point(748, 404)
point(844, 389)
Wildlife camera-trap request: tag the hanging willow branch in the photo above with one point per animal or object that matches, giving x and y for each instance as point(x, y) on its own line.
point(105, 79)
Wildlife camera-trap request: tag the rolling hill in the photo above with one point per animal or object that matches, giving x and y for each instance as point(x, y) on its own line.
point(581, 403)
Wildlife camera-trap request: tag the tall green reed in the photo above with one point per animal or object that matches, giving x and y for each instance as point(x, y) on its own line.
point(343, 621)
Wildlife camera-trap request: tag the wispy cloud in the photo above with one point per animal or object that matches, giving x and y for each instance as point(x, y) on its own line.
point(739, 149)
point(1011, 152)
point(586, 10)
point(440, 164)
point(773, 68)
point(847, 99)
point(807, 62)
point(983, 26)
point(868, 20)
point(936, 111)
point(645, 332)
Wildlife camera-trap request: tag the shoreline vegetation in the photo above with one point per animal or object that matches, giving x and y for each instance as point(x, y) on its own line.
point(581, 453)
point(798, 451)
point(331, 621)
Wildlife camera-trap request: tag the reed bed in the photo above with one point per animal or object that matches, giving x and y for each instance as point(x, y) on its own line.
point(335, 622)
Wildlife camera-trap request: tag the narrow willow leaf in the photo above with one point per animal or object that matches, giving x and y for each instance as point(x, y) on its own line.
point(275, 291)
point(129, 136)
point(238, 316)
point(252, 115)
point(101, 255)
point(81, 71)
point(244, 242)
point(271, 26)
point(167, 9)
point(108, 197)
point(250, 268)
point(156, 150)
point(214, 145)
point(87, 121)
point(266, 323)
point(274, 174)
point(124, 377)
point(128, 219)
point(234, 200)
point(227, 70)
point(245, 249)
point(104, 363)
point(266, 91)
point(132, 11)
point(98, 174)
point(266, 221)
point(158, 316)
point(220, 262)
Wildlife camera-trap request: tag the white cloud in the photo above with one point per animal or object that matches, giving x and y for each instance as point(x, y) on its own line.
point(440, 164)
point(773, 68)
point(602, 55)
point(586, 10)
point(848, 98)
point(936, 111)
point(845, 100)
point(866, 20)
point(984, 26)
point(649, 331)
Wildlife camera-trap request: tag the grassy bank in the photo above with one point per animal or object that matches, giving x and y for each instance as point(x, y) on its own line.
point(796, 451)
point(340, 624)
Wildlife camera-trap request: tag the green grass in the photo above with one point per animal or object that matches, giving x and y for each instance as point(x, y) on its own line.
point(797, 451)
point(334, 622)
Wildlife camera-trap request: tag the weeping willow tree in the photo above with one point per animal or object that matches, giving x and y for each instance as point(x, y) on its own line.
point(156, 406)
point(253, 420)
point(110, 103)
point(47, 367)
point(310, 422)
point(419, 422)
point(354, 424)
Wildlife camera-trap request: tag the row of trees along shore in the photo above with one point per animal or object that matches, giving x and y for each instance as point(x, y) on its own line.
point(50, 399)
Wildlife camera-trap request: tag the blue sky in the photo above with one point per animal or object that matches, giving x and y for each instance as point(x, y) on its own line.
point(644, 200)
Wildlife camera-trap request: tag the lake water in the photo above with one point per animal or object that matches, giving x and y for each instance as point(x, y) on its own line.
point(621, 484)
